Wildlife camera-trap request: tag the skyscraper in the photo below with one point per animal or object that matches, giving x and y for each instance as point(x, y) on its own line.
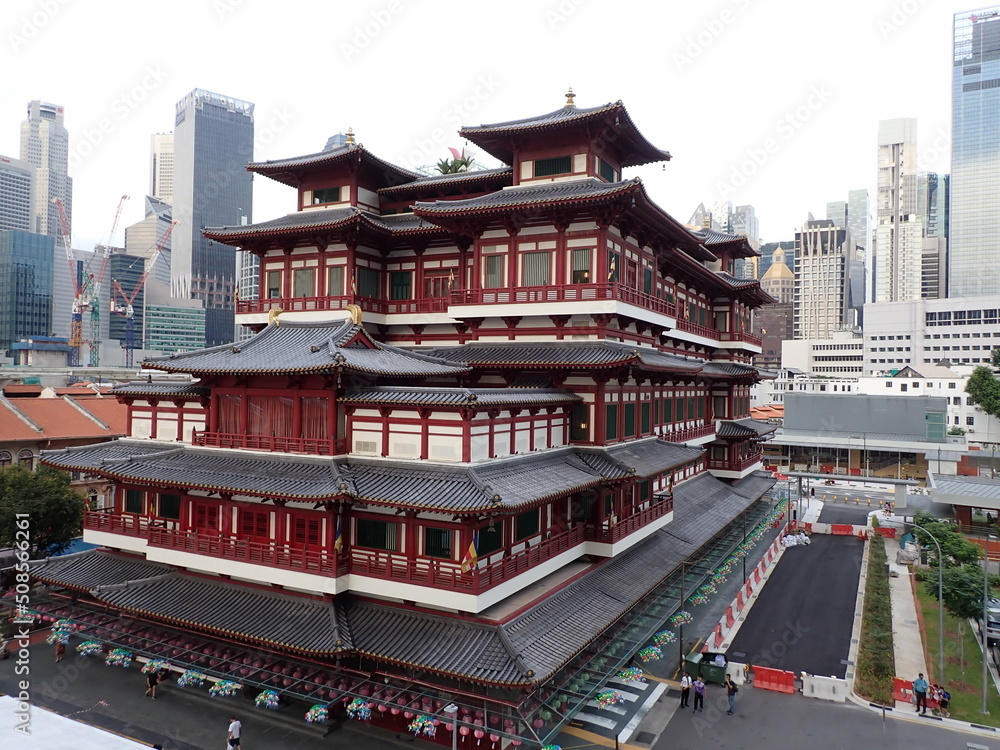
point(836, 211)
point(975, 154)
point(17, 180)
point(859, 218)
point(213, 142)
point(932, 210)
point(823, 265)
point(45, 146)
point(25, 285)
point(896, 253)
point(161, 167)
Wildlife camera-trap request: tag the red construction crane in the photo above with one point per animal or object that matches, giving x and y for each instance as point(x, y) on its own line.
point(127, 310)
point(76, 320)
point(92, 291)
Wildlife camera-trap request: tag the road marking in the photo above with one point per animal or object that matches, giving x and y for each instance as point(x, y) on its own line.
point(597, 739)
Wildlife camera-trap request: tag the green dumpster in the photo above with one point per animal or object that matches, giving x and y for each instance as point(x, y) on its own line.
point(714, 667)
point(692, 663)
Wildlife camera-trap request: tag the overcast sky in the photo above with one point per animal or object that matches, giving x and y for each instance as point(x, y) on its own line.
point(774, 103)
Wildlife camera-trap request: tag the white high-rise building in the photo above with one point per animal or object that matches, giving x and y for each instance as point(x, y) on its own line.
point(898, 246)
point(17, 180)
point(45, 146)
point(823, 262)
point(161, 167)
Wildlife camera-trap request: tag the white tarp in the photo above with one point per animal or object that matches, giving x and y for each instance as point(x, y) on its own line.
point(49, 731)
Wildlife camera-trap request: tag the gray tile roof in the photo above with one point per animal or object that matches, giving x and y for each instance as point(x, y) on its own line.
point(85, 570)
point(296, 347)
point(754, 485)
point(651, 456)
point(972, 487)
point(496, 138)
point(328, 219)
point(738, 283)
point(481, 398)
point(441, 180)
point(564, 193)
point(92, 457)
point(142, 388)
point(728, 370)
point(743, 428)
point(502, 483)
point(545, 354)
point(237, 611)
point(283, 170)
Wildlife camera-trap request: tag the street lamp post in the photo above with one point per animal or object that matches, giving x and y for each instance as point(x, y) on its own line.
point(452, 709)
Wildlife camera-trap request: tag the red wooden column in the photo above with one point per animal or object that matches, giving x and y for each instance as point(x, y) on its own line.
point(297, 414)
point(410, 519)
point(286, 277)
point(213, 413)
point(561, 224)
point(477, 264)
point(384, 412)
point(425, 435)
point(600, 414)
point(155, 406)
point(179, 405)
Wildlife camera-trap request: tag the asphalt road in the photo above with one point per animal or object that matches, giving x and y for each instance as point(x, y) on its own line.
point(774, 721)
point(804, 616)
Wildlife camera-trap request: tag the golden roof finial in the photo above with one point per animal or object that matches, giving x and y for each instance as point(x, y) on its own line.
point(272, 316)
point(570, 96)
point(349, 141)
point(355, 312)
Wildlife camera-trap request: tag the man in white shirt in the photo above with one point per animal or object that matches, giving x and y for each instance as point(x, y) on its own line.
point(235, 730)
point(685, 689)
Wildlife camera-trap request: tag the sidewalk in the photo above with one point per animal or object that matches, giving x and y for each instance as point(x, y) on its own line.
point(907, 646)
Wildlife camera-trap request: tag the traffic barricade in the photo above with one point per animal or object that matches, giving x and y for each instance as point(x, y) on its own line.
point(777, 680)
point(902, 690)
point(824, 688)
point(841, 529)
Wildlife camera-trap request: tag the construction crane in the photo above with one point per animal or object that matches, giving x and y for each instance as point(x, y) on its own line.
point(76, 283)
point(126, 309)
point(92, 291)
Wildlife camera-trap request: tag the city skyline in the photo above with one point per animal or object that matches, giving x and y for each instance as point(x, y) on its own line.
point(757, 159)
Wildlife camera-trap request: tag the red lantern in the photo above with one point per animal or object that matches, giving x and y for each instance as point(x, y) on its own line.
point(394, 711)
point(449, 727)
point(407, 714)
point(464, 731)
point(539, 723)
point(516, 743)
point(479, 736)
point(382, 708)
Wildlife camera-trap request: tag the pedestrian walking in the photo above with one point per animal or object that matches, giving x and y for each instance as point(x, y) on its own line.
point(731, 691)
point(685, 689)
point(944, 701)
point(235, 732)
point(920, 693)
point(152, 678)
point(699, 694)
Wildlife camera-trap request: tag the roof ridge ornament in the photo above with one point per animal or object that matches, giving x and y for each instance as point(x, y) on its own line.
point(570, 96)
point(355, 311)
point(272, 316)
point(349, 140)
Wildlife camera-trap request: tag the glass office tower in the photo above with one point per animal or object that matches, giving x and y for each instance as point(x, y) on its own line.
point(213, 143)
point(25, 285)
point(975, 155)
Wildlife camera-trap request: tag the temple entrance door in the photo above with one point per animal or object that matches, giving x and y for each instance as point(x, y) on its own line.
point(205, 519)
point(255, 526)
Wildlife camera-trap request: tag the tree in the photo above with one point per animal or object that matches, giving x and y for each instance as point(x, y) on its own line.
point(957, 550)
point(961, 589)
point(454, 166)
point(984, 388)
point(53, 509)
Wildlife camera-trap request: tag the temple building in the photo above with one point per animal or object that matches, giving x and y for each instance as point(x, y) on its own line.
point(483, 421)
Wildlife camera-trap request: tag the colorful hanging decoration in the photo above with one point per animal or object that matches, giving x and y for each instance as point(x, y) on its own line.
point(155, 665)
point(422, 725)
point(119, 658)
point(89, 648)
point(267, 699)
point(317, 714)
point(681, 618)
point(61, 632)
point(224, 689)
point(650, 653)
point(191, 677)
point(632, 674)
point(552, 747)
point(609, 698)
point(664, 637)
point(359, 709)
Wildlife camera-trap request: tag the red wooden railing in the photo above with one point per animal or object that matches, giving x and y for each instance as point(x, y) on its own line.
point(300, 304)
point(258, 553)
point(614, 532)
point(733, 464)
point(681, 434)
point(562, 293)
point(125, 523)
point(392, 566)
point(739, 336)
point(314, 446)
point(698, 330)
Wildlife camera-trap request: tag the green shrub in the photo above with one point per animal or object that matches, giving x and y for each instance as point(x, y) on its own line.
point(876, 662)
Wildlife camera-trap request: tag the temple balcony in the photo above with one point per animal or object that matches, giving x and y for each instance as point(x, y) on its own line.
point(273, 443)
point(688, 434)
point(425, 580)
point(740, 340)
point(734, 468)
